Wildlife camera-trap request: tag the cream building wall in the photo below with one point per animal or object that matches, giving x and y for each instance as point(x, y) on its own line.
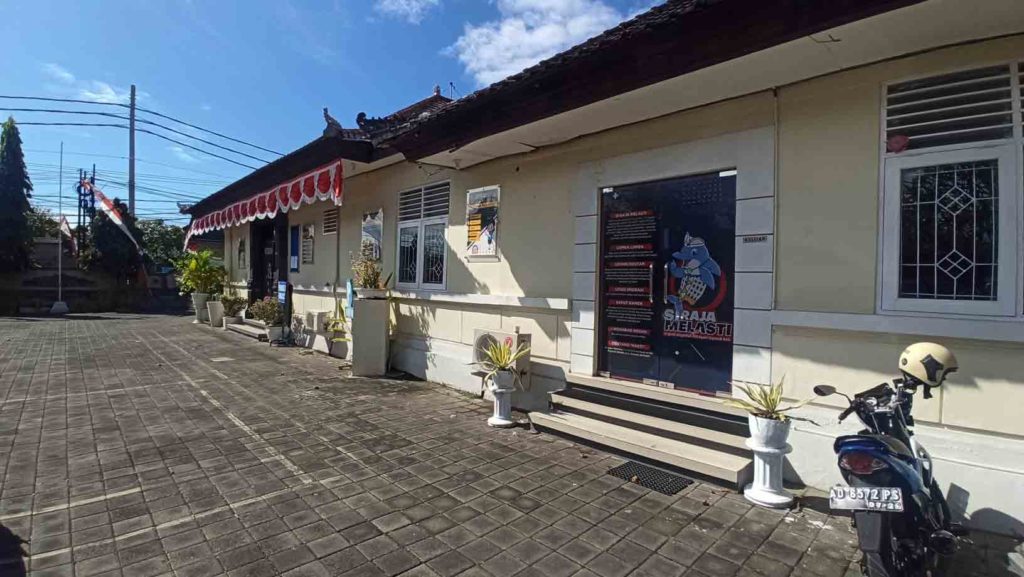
point(808, 299)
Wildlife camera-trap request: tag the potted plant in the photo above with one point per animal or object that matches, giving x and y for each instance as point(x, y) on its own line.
point(233, 306)
point(198, 275)
point(367, 275)
point(500, 360)
point(769, 424)
point(268, 312)
point(215, 308)
point(340, 329)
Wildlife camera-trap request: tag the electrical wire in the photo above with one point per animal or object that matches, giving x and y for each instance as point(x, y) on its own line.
point(57, 111)
point(142, 160)
point(178, 142)
point(154, 113)
point(41, 98)
point(169, 129)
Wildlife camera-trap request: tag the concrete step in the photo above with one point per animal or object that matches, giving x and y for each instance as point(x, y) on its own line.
point(252, 323)
point(249, 330)
point(733, 469)
point(630, 418)
point(683, 399)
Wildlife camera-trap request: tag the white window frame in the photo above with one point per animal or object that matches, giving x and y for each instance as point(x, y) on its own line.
point(420, 224)
point(1008, 287)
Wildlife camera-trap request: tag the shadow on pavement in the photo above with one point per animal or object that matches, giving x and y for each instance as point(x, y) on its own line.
point(12, 555)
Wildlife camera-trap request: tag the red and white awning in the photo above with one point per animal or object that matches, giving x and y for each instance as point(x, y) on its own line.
point(324, 183)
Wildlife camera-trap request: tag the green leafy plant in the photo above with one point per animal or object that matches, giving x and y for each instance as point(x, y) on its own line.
point(268, 311)
point(197, 272)
point(501, 356)
point(764, 401)
point(233, 305)
point(339, 324)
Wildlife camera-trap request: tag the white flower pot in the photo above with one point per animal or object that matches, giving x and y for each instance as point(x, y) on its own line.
point(216, 310)
point(501, 386)
point(371, 293)
point(199, 303)
point(768, 433)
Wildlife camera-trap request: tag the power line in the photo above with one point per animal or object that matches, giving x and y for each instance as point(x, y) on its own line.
point(114, 156)
point(44, 99)
point(143, 121)
point(58, 111)
point(154, 113)
point(178, 142)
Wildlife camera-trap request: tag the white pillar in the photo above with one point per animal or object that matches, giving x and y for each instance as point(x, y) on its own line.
point(370, 337)
point(767, 489)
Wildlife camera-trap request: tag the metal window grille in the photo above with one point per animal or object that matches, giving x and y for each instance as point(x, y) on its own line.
point(961, 107)
point(308, 235)
point(425, 202)
point(422, 222)
point(949, 230)
point(330, 221)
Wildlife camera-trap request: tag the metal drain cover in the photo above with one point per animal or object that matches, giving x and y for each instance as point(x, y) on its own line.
point(651, 478)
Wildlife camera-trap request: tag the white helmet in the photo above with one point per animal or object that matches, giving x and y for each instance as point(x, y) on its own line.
point(928, 363)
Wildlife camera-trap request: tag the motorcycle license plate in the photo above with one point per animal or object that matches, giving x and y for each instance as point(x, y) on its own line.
point(866, 498)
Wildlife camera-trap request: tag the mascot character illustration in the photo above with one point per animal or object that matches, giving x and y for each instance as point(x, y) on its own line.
point(696, 272)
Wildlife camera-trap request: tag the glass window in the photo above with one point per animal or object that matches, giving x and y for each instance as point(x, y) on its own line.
point(408, 247)
point(949, 235)
point(433, 253)
point(422, 236)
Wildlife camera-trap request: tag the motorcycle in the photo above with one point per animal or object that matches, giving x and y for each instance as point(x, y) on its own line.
point(902, 519)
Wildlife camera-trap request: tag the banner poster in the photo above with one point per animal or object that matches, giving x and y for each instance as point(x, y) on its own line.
point(668, 252)
point(482, 221)
point(373, 231)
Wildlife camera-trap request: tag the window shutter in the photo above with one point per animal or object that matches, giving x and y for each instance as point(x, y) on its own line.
point(961, 107)
point(330, 221)
point(432, 200)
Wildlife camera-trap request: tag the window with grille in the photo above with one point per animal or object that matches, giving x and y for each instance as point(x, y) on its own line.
point(422, 236)
point(952, 168)
point(308, 236)
point(330, 221)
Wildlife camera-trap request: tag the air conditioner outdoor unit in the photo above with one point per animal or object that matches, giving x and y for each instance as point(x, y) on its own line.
point(484, 337)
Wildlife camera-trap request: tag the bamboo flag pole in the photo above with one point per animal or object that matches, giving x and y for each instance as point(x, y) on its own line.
point(60, 307)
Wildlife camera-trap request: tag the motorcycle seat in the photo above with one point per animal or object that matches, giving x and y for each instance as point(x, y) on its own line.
point(893, 445)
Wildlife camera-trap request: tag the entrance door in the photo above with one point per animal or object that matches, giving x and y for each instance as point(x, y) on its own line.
point(668, 252)
point(267, 253)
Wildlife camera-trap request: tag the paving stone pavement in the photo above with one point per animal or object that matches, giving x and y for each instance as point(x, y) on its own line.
point(145, 445)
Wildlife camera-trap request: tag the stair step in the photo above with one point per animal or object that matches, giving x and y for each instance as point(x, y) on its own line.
point(668, 396)
point(253, 323)
point(732, 469)
point(683, 429)
point(248, 330)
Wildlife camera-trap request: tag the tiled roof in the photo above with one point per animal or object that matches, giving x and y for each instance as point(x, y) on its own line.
point(666, 14)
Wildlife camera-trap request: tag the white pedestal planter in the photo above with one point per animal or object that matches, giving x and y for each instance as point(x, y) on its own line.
point(501, 386)
point(768, 442)
point(199, 303)
point(370, 336)
point(216, 312)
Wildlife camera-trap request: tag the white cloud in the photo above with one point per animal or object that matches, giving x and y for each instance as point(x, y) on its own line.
point(99, 91)
point(58, 72)
point(182, 154)
point(205, 107)
point(527, 32)
point(412, 11)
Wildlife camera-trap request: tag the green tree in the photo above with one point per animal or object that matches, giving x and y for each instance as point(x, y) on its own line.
point(42, 222)
point(15, 190)
point(108, 249)
point(164, 242)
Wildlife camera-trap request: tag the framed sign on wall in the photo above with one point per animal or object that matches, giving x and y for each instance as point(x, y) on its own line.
point(373, 232)
point(482, 206)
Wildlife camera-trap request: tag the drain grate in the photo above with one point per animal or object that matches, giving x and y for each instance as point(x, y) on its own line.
point(651, 478)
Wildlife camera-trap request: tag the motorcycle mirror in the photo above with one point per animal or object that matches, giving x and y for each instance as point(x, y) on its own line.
point(824, 390)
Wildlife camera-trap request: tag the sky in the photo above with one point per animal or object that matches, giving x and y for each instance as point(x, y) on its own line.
point(260, 71)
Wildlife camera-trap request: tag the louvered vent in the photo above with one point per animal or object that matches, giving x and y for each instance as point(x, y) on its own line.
point(330, 221)
point(424, 202)
point(967, 106)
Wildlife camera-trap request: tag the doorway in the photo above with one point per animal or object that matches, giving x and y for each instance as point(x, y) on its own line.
point(666, 283)
point(269, 251)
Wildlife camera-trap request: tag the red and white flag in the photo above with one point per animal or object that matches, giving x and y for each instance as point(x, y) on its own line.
point(65, 228)
point(112, 212)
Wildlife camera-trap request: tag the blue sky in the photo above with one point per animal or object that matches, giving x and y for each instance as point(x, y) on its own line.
point(258, 70)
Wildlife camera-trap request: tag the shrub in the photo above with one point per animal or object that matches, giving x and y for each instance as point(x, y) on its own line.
point(267, 310)
point(198, 273)
point(233, 305)
point(366, 269)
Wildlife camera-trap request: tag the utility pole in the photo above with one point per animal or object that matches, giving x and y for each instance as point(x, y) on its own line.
point(131, 154)
point(60, 307)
